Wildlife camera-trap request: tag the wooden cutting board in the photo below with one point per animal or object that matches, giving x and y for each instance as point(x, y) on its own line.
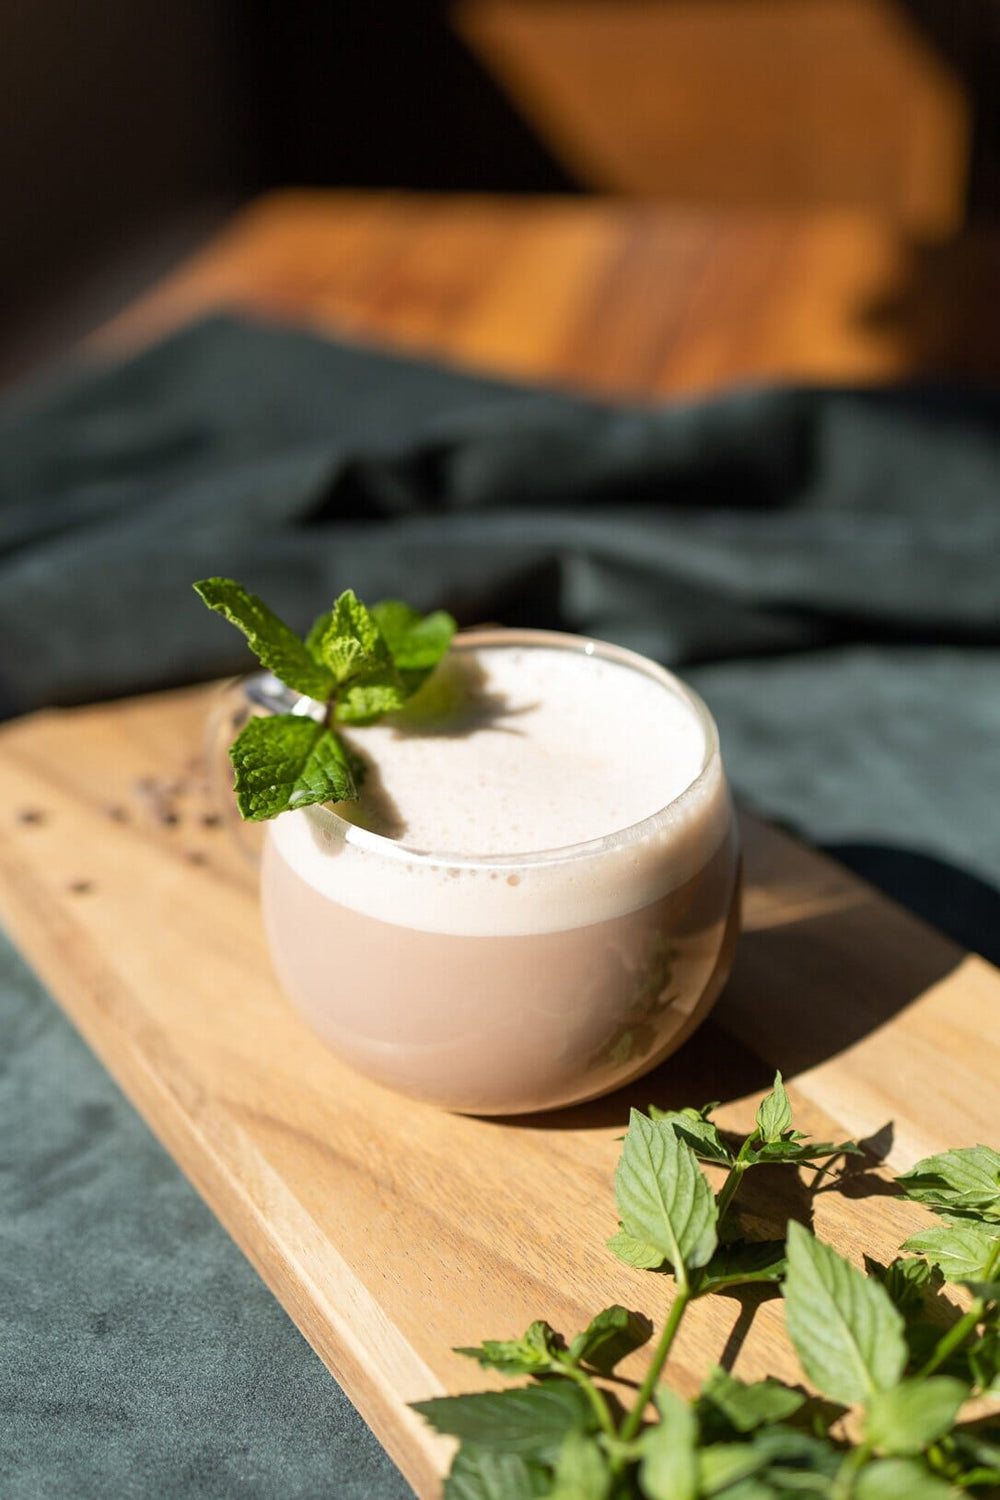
point(390, 1231)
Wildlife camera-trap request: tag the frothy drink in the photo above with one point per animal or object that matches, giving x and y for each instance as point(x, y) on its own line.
point(534, 900)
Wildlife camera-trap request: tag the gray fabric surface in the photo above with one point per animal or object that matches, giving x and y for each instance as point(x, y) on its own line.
point(889, 757)
point(822, 565)
point(142, 1355)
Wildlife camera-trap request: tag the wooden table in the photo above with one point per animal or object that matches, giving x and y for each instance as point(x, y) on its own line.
point(631, 299)
point(392, 1232)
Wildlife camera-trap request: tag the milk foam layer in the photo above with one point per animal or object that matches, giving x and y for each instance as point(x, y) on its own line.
point(536, 743)
point(544, 748)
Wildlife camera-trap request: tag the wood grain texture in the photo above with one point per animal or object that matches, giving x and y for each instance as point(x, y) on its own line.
point(393, 1232)
point(390, 1231)
point(631, 299)
point(752, 102)
point(643, 300)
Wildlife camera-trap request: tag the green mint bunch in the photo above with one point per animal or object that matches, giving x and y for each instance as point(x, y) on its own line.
point(358, 663)
point(886, 1350)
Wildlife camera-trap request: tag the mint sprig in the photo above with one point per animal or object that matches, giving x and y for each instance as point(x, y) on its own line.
point(774, 1142)
point(356, 664)
point(873, 1345)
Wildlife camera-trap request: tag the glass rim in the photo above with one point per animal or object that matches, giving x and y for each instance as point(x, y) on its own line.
point(363, 839)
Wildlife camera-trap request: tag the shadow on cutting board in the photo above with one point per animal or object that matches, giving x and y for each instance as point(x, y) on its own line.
point(818, 968)
point(960, 905)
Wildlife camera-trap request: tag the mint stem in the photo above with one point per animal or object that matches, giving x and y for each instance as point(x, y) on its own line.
point(633, 1421)
point(843, 1483)
point(594, 1395)
point(728, 1190)
point(955, 1336)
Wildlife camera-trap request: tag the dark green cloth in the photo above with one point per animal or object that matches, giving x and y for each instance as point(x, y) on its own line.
point(822, 565)
point(142, 1356)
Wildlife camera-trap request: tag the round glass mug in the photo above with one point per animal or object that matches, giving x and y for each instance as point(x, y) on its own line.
point(516, 982)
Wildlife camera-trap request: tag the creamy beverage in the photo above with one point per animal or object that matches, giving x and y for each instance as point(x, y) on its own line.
point(534, 899)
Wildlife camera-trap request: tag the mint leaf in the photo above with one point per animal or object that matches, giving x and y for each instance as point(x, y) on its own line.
point(700, 1133)
point(899, 1479)
point(959, 1250)
point(725, 1464)
point(532, 1421)
point(760, 1488)
point(964, 1179)
point(663, 1198)
point(582, 1471)
point(417, 642)
point(909, 1417)
point(317, 631)
point(380, 657)
point(746, 1407)
point(774, 1115)
point(979, 1447)
point(531, 1355)
point(480, 1474)
point(351, 645)
point(907, 1279)
point(609, 1337)
point(287, 761)
point(741, 1263)
point(669, 1466)
point(274, 643)
point(846, 1332)
point(364, 702)
point(638, 1254)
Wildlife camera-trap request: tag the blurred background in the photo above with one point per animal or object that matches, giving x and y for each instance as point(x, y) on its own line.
point(129, 131)
point(708, 197)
